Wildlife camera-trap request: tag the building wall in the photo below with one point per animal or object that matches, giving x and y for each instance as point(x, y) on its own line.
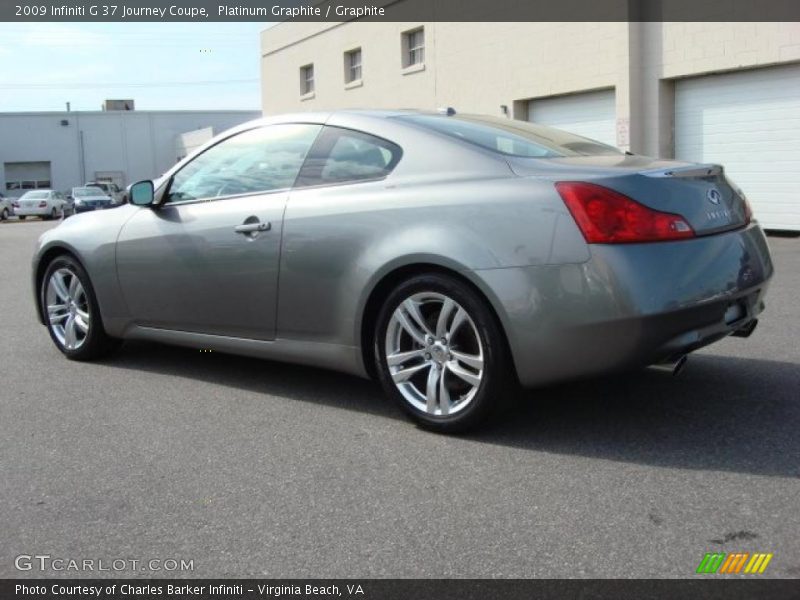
point(479, 67)
point(188, 142)
point(140, 144)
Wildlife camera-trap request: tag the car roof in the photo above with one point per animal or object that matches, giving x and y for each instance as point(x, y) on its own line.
point(324, 117)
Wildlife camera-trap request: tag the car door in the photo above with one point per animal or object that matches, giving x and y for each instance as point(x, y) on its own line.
point(206, 259)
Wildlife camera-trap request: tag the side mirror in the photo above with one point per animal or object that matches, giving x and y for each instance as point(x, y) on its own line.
point(142, 193)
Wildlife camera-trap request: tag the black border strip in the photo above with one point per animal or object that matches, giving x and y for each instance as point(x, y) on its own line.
point(398, 10)
point(704, 587)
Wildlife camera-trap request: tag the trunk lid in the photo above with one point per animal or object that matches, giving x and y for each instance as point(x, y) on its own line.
point(700, 193)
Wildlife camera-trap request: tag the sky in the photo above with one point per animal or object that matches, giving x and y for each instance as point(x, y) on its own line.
point(162, 66)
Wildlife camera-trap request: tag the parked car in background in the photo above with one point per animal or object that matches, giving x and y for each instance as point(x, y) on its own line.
point(48, 204)
point(111, 190)
point(6, 207)
point(450, 257)
point(89, 198)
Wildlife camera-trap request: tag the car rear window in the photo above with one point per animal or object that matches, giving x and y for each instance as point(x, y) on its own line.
point(36, 195)
point(511, 137)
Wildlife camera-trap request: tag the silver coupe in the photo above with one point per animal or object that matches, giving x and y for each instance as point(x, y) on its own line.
point(449, 256)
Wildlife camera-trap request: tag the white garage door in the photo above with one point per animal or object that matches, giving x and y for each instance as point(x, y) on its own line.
point(750, 123)
point(590, 114)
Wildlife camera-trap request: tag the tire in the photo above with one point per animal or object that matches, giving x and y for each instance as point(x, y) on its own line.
point(459, 380)
point(53, 214)
point(4, 215)
point(77, 328)
point(22, 217)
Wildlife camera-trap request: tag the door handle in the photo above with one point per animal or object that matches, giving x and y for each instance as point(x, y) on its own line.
point(252, 227)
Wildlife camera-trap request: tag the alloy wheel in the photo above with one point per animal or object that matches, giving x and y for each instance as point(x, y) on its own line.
point(68, 312)
point(434, 354)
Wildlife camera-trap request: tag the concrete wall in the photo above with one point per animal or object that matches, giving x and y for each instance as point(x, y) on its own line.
point(140, 144)
point(188, 142)
point(477, 67)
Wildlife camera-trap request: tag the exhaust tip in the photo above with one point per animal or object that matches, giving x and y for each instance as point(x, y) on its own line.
point(674, 367)
point(747, 330)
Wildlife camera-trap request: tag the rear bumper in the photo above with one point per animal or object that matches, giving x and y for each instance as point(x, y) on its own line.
point(32, 212)
point(629, 305)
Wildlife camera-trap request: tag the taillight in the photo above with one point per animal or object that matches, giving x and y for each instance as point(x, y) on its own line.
point(608, 217)
point(16, 204)
point(43, 204)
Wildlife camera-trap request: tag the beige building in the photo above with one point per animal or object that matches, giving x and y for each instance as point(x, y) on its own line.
point(707, 92)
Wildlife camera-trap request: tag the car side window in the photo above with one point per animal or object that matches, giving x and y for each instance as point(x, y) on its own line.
point(345, 155)
point(257, 160)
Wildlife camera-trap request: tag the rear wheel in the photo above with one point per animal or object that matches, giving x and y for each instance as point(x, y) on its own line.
point(441, 355)
point(22, 217)
point(71, 312)
point(4, 216)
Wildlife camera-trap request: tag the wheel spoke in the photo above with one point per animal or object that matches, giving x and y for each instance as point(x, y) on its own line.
point(83, 314)
point(409, 328)
point(432, 390)
point(406, 374)
point(72, 290)
point(57, 312)
point(70, 338)
point(444, 393)
point(459, 371)
point(59, 285)
point(458, 321)
point(401, 357)
point(81, 324)
point(412, 308)
point(78, 292)
point(441, 323)
point(471, 360)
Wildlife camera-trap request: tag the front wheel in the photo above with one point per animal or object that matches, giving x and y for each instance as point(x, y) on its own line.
point(71, 311)
point(441, 354)
point(4, 216)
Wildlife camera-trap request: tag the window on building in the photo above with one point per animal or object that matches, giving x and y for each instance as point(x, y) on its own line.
point(307, 80)
point(414, 47)
point(264, 159)
point(345, 155)
point(352, 66)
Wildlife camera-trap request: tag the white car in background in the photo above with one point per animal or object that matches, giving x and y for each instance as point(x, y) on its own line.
point(6, 207)
point(47, 204)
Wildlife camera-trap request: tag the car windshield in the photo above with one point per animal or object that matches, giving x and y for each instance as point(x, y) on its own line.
point(35, 195)
point(511, 137)
point(87, 191)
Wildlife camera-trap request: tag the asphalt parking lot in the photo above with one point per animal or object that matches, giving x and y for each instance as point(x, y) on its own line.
point(253, 468)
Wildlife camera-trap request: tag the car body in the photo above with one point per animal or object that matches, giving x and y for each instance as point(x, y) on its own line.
point(446, 255)
point(6, 207)
point(89, 198)
point(110, 189)
point(48, 204)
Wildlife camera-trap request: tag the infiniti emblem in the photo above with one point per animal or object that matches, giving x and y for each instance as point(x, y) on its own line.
point(714, 196)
